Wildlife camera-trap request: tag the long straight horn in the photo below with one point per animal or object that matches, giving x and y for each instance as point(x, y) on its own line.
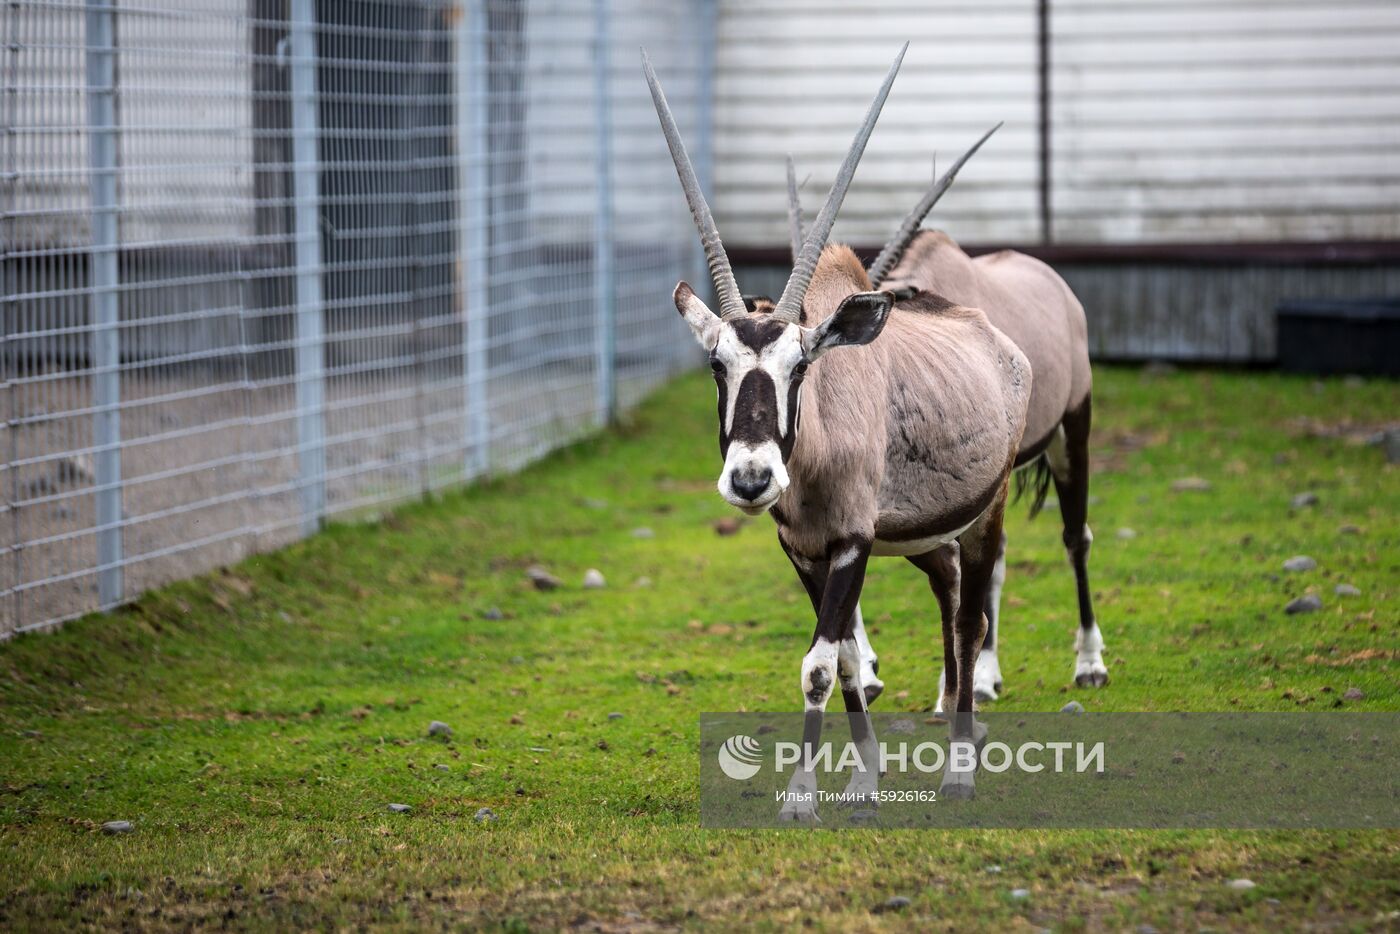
point(731, 302)
point(794, 211)
point(894, 249)
point(790, 305)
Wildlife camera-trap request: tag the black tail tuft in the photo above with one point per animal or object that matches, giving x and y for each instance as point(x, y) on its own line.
point(1034, 477)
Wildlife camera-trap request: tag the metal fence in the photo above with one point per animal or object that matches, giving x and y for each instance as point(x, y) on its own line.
point(266, 261)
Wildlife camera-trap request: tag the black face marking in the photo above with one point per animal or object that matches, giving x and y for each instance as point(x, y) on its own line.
point(756, 403)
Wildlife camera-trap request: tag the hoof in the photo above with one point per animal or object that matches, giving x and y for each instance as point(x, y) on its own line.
point(986, 693)
point(957, 787)
point(872, 691)
point(1091, 679)
point(804, 814)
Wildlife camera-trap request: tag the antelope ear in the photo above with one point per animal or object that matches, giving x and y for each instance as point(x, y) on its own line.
point(859, 320)
point(704, 323)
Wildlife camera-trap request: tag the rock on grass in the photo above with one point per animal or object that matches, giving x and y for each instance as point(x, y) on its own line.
point(542, 579)
point(1300, 563)
point(1304, 500)
point(1346, 590)
point(1308, 603)
point(893, 903)
point(1072, 707)
point(485, 815)
point(593, 579)
point(1354, 694)
point(1240, 885)
point(400, 808)
point(438, 728)
point(117, 826)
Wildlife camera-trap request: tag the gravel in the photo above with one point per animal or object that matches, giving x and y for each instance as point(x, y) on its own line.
point(1308, 603)
point(438, 728)
point(1300, 563)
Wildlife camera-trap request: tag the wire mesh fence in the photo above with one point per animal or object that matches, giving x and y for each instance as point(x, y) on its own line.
point(267, 261)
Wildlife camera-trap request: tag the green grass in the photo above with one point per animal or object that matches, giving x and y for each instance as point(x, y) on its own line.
point(255, 723)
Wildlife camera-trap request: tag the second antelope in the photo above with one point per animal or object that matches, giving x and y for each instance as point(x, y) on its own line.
point(1032, 305)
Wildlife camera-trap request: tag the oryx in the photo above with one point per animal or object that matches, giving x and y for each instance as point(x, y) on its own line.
point(901, 445)
point(1031, 304)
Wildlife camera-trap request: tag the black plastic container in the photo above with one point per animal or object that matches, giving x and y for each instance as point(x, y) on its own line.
point(1345, 335)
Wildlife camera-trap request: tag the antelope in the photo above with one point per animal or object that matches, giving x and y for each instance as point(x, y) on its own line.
point(862, 430)
point(1032, 305)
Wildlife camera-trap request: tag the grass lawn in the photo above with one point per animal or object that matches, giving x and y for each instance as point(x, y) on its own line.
point(254, 724)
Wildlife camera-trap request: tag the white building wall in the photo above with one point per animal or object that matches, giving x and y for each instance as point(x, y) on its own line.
point(1188, 121)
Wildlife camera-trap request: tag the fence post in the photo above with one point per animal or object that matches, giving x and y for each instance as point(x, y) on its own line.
point(604, 273)
point(310, 337)
point(100, 61)
point(703, 150)
point(473, 226)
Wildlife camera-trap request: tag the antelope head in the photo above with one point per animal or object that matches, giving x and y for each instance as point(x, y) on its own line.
point(759, 355)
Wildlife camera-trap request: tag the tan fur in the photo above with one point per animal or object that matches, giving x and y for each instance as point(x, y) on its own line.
point(911, 435)
point(1027, 301)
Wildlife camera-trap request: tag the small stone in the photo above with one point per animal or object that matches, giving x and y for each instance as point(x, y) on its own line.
point(994, 869)
point(643, 581)
point(400, 808)
point(442, 768)
point(1072, 707)
point(1392, 446)
point(727, 526)
point(438, 728)
point(493, 613)
point(614, 716)
point(1300, 563)
point(643, 531)
point(593, 579)
point(1349, 529)
point(1304, 500)
point(1354, 694)
point(542, 579)
point(893, 903)
point(1308, 603)
point(1240, 885)
point(1124, 534)
point(1346, 590)
point(1020, 895)
point(485, 815)
point(1190, 485)
point(117, 826)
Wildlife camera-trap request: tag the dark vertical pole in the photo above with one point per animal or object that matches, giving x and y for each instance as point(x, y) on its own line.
point(1043, 56)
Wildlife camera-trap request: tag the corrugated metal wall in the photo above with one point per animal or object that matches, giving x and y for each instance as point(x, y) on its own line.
point(1189, 121)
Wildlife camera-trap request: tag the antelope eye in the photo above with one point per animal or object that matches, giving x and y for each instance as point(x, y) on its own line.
point(717, 367)
point(800, 370)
